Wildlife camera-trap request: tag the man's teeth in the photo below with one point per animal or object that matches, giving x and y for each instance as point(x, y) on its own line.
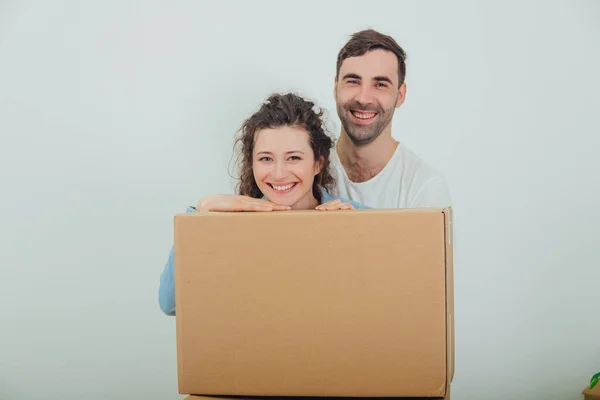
point(286, 187)
point(363, 115)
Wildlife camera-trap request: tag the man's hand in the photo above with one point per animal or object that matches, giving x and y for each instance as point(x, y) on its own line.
point(334, 205)
point(230, 202)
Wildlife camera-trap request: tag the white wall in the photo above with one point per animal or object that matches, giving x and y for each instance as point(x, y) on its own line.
point(114, 117)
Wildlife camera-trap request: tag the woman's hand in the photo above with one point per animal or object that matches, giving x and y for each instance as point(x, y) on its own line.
point(231, 202)
point(334, 205)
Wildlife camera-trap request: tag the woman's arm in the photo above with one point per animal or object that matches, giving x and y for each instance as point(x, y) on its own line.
point(166, 290)
point(231, 203)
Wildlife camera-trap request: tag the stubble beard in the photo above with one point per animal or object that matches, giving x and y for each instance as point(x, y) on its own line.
point(363, 135)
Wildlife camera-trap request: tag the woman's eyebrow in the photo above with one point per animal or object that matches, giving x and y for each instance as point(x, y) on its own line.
point(287, 152)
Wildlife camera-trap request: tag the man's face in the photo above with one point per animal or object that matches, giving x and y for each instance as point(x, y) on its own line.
point(366, 94)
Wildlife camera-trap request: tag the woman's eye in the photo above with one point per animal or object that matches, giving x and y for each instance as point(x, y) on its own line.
point(295, 158)
point(264, 159)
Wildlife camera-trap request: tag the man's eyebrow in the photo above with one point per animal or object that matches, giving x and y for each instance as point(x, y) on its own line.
point(383, 79)
point(351, 76)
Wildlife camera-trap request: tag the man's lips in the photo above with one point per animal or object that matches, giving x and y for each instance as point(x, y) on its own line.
point(363, 117)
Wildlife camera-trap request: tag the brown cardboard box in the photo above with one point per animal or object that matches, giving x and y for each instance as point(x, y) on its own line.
point(354, 303)
point(592, 394)
point(198, 397)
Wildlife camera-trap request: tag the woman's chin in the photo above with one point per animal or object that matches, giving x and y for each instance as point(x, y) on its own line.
point(283, 200)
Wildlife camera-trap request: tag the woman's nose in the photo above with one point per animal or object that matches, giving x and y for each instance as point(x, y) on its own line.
point(279, 170)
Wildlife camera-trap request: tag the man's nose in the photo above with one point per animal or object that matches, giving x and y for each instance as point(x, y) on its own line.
point(364, 95)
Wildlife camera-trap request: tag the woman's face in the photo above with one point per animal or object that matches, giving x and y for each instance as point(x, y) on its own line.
point(284, 166)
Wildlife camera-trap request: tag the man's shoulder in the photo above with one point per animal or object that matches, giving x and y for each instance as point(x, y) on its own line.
point(416, 164)
point(428, 186)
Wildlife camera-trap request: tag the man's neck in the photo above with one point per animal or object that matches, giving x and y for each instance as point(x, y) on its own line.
point(364, 162)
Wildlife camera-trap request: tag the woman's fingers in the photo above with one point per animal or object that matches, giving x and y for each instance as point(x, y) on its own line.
point(251, 204)
point(273, 206)
point(335, 205)
point(279, 207)
point(329, 205)
point(230, 203)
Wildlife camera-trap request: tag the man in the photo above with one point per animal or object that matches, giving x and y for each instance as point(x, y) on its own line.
point(372, 167)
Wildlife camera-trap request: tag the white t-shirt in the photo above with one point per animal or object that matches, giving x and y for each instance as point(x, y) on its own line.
point(405, 182)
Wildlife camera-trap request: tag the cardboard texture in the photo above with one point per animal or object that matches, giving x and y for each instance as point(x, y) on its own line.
point(592, 394)
point(199, 397)
point(354, 303)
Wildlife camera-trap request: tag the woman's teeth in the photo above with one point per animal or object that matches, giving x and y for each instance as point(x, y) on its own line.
point(362, 115)
point(281, 188)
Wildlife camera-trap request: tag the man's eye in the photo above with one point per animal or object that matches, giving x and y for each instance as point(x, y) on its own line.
point(381, 84)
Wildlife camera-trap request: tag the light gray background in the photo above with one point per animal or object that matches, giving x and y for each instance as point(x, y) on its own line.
point(114, 116)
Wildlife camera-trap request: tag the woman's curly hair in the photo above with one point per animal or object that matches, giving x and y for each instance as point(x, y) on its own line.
point(285, 110)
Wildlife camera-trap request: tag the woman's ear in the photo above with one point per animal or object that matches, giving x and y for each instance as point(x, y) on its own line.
point(319, 165)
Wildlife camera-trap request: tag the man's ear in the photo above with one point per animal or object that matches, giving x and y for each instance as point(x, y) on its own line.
point(401, 95)
point(335, 83)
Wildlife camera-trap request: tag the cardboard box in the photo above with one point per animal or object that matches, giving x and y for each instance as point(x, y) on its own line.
point(592, 394)
point(199, 397)
point(354, 303)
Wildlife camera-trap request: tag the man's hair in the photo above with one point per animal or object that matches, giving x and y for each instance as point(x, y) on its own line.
point(367, 40)
point(285, 110)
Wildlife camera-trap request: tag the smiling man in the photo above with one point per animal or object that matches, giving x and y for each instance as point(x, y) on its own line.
point(372, 167)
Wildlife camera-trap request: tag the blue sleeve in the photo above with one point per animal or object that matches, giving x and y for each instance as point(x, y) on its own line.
point(355, 204)
point(166, 289)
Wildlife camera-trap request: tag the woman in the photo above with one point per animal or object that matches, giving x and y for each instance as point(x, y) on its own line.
point(285, 166)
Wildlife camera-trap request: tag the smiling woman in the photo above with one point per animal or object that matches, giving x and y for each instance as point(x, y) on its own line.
point(284, 165)
point(285, 169)
point(285, 161)
point(285, 153)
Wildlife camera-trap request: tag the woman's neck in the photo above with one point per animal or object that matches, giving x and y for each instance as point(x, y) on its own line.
point(308, 202)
